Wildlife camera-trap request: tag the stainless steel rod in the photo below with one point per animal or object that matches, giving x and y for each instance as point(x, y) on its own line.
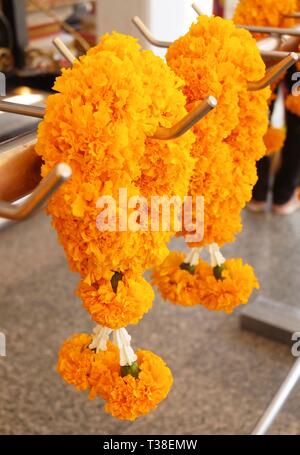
point(293, 15)
point(274, 72)
point(276, 54)
point(148, 35)
point(59, 174)
point(278, 401)
point(64, 50)
point(188, 121)
point(293, 31)
point(197, 9)
point(22, 109)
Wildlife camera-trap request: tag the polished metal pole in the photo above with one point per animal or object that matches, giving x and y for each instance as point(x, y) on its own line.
point(278, 401)
point(22, 109)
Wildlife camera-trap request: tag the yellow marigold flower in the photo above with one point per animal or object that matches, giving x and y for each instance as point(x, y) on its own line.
point(175, 284)
point(134, 397)
point(217, 58)
point(266, 13)
point(292, 103)
point(115, 309)
point(274, 139)
point(75, 360)
point(235, 287)
point(182, 287)
point(104, 371)
point(127, 397)
point(107, 106)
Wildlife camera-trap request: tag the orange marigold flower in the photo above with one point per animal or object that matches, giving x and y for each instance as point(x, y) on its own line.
point(292, 103)
point(105, 370)
point(235, 287)
point(202, 287)
point(115, 309)
point(75, 360)
point(274, 139)
point(134, 397)
point(175, 284)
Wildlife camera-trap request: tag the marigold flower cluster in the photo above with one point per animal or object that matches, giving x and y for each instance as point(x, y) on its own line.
point(271, 14)
point(201, 287)
point(100, 122)
point(265, 13)
point(274, 139)
point(217, 58)
point(126, 397)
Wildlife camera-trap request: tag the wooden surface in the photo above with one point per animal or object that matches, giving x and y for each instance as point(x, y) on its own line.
point(19, 168)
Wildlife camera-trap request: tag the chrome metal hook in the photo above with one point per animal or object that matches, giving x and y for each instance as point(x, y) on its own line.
point(293, 31)
point(278, 55)
point(59, 174)
point(273, 73)
point(22, 109)
point(197, 9)
point(188, 121)
point(64, 50)
point(148, 35)
point(295, 15)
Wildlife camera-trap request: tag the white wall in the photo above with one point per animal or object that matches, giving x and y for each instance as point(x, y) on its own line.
point(167, 19)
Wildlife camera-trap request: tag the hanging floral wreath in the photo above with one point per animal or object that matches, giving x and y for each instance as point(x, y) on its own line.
point(218, 58)
point(219, 286)
point(101, 122)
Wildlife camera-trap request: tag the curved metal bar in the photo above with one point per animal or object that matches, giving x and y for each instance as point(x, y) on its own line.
point(293, 15)
point(273, 73)
point(197, 9)
point(59, 174)
point(148, 35)
point(278, 401)
point(64, 50)
point(188, 121)
point(271, 43)
point(293, 31)
point(22, 109)
point(276, 54)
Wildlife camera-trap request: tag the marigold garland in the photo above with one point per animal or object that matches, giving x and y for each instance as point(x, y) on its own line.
point(230, 139)
point(126, 397)
point(99, 122)
point(202, 287)
point(133, 298)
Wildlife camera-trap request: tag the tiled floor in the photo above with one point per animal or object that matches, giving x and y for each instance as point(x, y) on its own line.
point(224, 377)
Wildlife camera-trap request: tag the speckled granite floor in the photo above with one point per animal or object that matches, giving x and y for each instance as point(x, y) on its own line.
point(224, 377)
